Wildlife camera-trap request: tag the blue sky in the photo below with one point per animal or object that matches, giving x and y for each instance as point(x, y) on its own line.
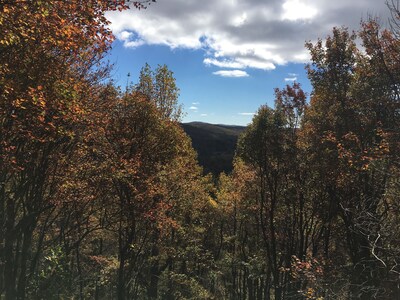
point(228, 55)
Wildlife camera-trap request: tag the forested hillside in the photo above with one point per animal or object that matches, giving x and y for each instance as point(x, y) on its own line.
point(214, 144)
point(101, 195)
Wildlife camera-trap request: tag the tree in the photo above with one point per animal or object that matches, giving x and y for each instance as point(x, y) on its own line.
point(240, 250)
point(160, 87)
point(50, 54)
point(349, 143)
point(150, 183)
point(286, 216)
point(139, 142)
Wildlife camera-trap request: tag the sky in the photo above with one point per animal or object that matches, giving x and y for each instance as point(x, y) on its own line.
point(227, 56)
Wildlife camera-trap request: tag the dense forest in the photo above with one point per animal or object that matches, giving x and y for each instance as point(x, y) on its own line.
point(101, 195)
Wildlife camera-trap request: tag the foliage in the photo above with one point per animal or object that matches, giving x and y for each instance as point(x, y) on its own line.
point(101, 195)
point(159, 86)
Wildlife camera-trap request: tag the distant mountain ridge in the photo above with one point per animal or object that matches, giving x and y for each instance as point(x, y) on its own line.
point(215, 144)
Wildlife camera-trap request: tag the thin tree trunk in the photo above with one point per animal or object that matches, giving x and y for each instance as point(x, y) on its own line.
point(26, 245)
point(9, 263)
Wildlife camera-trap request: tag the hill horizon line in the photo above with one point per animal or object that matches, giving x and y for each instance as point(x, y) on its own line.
point(215, 124)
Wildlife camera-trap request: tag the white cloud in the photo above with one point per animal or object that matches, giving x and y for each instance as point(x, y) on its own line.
point(224, 63)
point(134, 44)
point(203, 115)
point(240, 63)
point(193, 108)
point(246, 114)
point(303, 56)
point(231, 73)
point(124, 35)
point(241, 34)
point(240, 20)
point(290, 79)
point(294, 10)
point(195, 103)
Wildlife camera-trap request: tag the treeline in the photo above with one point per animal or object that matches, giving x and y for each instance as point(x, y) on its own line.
point(316, 185)
point(101, 196)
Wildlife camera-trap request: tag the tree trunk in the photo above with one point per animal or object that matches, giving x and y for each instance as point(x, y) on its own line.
point(9, 262)
point(152, 291)
point(121, 278)
point(26, 246)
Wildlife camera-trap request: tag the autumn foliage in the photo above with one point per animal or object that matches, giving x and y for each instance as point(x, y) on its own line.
point(101, 196)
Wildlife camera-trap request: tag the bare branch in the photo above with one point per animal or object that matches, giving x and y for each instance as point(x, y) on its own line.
point(373, 250)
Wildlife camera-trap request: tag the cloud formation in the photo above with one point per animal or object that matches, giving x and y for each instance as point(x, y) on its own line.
point(241, 34)
point(246, 114)
point(231, 73)
point(294, 10)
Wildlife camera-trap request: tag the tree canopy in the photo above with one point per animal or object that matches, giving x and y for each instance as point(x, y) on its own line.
point(102, 197)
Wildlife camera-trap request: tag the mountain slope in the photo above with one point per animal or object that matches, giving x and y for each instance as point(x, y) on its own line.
point(215, 144)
